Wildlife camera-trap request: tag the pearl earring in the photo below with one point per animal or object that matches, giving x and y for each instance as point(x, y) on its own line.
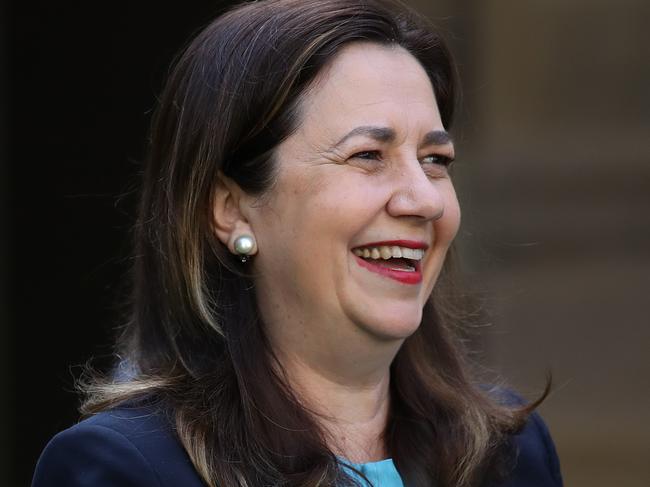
point(244, 245)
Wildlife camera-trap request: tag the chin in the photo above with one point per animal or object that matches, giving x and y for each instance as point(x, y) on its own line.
point(393, 324)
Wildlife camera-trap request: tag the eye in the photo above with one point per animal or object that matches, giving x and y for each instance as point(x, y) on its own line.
point(367, 154)
point(437, 159)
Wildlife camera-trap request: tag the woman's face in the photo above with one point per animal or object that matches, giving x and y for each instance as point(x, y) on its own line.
point(365, 170)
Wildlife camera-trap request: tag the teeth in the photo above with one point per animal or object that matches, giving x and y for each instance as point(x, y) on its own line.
point(397, 252)
point(386, 252)
point(415, 254)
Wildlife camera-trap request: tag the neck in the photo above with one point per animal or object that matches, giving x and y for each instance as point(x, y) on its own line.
point(352, 410)
point(340, 370)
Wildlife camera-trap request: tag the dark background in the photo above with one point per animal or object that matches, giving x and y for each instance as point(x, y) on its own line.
point(553, 176)
point(82, 79)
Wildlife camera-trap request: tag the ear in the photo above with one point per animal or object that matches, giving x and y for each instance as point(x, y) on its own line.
point(229, 213)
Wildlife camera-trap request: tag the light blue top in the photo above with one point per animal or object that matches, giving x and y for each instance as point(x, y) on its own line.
point(381, 474)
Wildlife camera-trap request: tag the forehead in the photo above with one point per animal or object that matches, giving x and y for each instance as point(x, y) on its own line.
point(371, 84)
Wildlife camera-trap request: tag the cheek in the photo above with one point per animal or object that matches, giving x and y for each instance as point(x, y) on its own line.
point(336, 203)
point(304, 218)
point(453, 223)
point(447, 226)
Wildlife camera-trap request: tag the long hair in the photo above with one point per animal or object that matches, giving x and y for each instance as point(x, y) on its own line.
point(194, 341)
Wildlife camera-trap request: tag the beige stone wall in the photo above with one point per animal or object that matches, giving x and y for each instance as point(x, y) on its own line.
point(554, 177)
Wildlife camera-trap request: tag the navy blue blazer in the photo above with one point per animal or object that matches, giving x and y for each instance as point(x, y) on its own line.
point(129, 447)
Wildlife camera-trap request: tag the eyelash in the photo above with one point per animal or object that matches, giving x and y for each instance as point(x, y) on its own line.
point(440, 159)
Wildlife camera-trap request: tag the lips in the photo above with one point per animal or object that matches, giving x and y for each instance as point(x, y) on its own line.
point(395, 259)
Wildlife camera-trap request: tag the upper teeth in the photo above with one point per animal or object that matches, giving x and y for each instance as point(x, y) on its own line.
point(388, 251)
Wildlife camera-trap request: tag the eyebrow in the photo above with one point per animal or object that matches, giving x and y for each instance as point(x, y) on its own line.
point(437, 137)
point(387, 134)
point(381, 134)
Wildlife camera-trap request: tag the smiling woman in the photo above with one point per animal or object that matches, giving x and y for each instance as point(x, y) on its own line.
point(374, 188)
point(290, 318)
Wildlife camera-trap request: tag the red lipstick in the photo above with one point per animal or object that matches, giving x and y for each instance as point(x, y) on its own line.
point(403, 276)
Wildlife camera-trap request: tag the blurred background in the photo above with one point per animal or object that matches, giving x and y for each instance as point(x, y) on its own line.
point(553, 173)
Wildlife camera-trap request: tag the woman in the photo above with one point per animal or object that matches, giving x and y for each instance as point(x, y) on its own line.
point(291, 314)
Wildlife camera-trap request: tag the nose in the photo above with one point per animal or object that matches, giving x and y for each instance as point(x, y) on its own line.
point(415, 194)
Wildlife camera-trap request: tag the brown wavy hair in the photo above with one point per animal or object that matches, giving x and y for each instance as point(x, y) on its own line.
point(194, 340)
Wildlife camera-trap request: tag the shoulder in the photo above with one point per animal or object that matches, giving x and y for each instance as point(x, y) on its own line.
point(535, 458)
point(127, 446)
